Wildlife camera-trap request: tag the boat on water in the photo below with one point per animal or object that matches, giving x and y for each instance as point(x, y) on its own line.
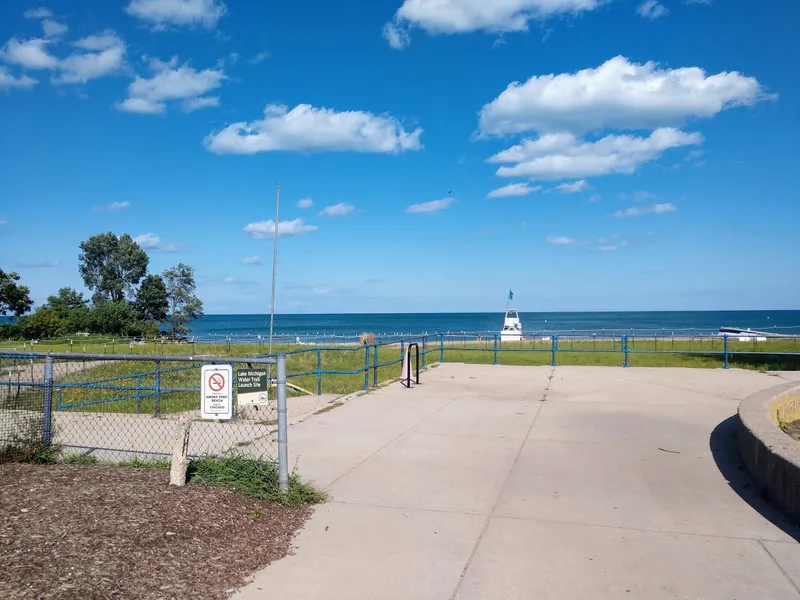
point(512, 327)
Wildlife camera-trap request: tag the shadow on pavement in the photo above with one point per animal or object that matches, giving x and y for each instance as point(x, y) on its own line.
point(726, 454)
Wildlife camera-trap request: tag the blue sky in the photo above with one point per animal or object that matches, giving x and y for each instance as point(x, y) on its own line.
point(589, 154)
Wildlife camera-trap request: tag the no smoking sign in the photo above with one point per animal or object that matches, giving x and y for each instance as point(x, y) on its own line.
point(216, 392)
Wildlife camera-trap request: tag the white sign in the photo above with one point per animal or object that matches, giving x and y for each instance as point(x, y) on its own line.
point(216, 392)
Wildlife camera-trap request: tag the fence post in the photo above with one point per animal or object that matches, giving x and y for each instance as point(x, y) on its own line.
point(157, 388)
point(554, 349)
point(425, 352)
point(625, 349)
point(319, 372)
point(441, 347)
point(495, 349)
point(366, 368)
point(375, 367)
point(47, 430)
point(283, 442)
point(138, 394)
point(725, 346)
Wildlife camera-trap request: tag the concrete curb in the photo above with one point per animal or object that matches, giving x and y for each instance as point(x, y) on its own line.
point(771, 456)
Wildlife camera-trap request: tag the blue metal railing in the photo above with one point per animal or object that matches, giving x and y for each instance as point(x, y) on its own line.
point(383, 353)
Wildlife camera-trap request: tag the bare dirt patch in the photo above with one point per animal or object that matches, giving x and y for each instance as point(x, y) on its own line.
point(82, 532)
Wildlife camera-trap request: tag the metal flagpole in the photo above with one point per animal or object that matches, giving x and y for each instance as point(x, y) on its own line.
point(274, 269)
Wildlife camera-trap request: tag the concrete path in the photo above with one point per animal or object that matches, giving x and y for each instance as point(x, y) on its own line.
point(523, 482)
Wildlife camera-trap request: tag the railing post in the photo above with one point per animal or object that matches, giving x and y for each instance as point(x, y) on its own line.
point(319, 372)
point(375, 367)
point(441, 347)
point(553, 349)
point(625, 350)
point(495, 350)
point(283, 442)
point(425, 352)
point(47, 409)
point(138, 394)
point(366, 368)
point(157, 388)
point(725, 351)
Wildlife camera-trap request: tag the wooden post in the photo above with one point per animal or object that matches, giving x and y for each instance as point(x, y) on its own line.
point(180, 451)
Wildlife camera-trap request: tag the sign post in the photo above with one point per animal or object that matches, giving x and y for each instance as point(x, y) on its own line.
point(252, 386)
point(216, 392)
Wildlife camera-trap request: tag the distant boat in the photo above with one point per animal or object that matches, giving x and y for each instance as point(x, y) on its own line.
point(512, 327)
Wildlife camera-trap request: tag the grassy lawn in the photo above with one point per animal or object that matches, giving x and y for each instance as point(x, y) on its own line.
point(128, 386)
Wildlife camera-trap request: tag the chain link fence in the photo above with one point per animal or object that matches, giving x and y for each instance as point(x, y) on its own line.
point(128, 408)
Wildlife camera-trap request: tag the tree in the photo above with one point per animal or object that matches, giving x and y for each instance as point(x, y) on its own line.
point(14, 298)
point(184, 305)
point(112, 266)
point(67, 300)
point(45, 323)
point(151, 300)
point(115, 318)
point(72, 308)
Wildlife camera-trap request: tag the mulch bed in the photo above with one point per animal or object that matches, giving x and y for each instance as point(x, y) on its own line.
point(87, 532)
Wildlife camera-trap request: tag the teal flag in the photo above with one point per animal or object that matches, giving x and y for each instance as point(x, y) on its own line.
point(510, 295)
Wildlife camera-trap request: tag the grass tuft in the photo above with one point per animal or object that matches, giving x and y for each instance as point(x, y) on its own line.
point(253, 478)
point(145, 463)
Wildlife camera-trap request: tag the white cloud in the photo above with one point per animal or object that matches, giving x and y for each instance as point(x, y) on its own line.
point(193, 104)
point(337, 210)
point(112, 207)
point(172, 83)
point(574, 187)
point(638, 196)
point(266, 229)
point(150, 241)
point(251, 260)
point(573, 158)
point(617, 94)
point(31, 54)
point(433, 206)
point(8, 81)
point(514, 189)
point(306, 128)
point(305, 203)
point(53, 28)
point(258, 58)
point(652, 9)
point(191, 13)
point(38, 264)
point(561, 240)
point(396, 35)
point(656, 209)
point(323, 291)
point(463, 16)
point(99, 55)
point(147, 241)
point(37, 13)
point(594, 197)
point(104, 54)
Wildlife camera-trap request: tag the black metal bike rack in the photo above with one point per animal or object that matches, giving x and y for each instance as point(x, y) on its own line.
point(407, 379)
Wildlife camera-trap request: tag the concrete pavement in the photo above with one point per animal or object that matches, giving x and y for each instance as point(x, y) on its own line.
point(491, 482)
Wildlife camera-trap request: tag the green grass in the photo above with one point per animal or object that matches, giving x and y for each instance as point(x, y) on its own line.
point(252, 478)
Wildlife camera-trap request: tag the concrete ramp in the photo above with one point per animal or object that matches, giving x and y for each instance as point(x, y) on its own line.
point(492, 483)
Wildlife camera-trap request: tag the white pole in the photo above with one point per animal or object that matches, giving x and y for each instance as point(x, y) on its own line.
point(274, 265)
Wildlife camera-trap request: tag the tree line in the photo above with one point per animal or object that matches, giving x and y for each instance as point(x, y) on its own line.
point(126, 299)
